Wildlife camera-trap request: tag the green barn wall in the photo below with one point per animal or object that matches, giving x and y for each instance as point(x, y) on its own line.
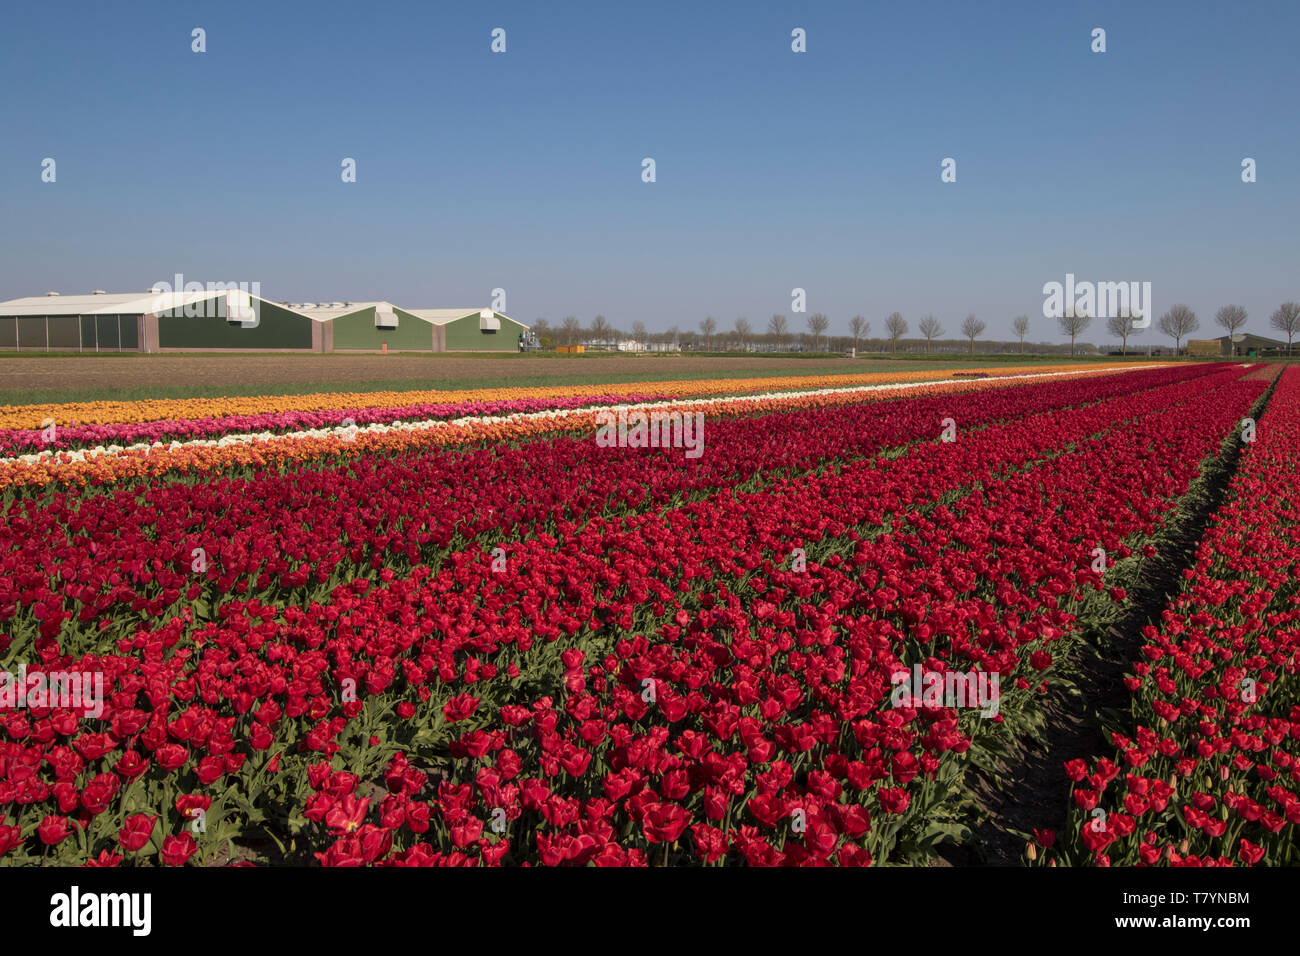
point(463, 335)
point(277, 328)
point(357, 331)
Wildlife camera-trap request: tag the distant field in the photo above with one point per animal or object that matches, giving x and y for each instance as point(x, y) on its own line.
point(28, 378)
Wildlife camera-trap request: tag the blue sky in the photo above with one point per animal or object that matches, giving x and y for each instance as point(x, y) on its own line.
point(775, 170)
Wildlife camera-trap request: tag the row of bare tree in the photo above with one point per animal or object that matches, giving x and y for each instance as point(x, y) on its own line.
point(1178, 323)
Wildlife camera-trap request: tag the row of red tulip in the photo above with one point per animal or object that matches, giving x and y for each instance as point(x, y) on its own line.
point(1208, 772)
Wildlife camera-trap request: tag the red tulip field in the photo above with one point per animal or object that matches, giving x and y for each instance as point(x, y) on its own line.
point(483, 635)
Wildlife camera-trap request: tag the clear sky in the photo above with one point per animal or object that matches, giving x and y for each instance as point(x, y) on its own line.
point(775, 170)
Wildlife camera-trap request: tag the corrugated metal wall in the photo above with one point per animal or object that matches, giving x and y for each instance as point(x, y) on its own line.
point(70, 333)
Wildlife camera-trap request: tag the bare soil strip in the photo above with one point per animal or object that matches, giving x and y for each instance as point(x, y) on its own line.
point(430, 371)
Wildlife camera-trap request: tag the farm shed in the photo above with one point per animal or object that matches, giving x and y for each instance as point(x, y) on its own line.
point(1248, 343)
point(473, 330)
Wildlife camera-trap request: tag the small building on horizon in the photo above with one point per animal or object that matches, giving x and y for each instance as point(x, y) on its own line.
point(1245, 344)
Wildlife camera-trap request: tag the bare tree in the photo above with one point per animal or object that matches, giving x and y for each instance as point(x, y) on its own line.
point(571, 329)
point(896, 326)
point(742, 331)
point(930, 328)
point(1122, 326)
point(672, 336)
point(599, 329)
point(971, 327)
point(1073, 322)
point(1231, 317)
point(858, 326)
point(817, 324)
point(1178, 322)
point(1021, 328)
point(777, 328)
point(639, 332)
point(708, 326)
point(1287, 319)
point(541, 326)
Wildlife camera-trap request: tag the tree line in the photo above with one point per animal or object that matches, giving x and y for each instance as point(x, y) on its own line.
point(1179, 323)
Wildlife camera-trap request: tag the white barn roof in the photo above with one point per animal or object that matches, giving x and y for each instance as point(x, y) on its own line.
point(101, 303)
point(444, 316)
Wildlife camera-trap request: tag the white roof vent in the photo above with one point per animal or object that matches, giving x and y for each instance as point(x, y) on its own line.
point(99, 292)
point(385, 318)
point(239, 309)
point(51, 293)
